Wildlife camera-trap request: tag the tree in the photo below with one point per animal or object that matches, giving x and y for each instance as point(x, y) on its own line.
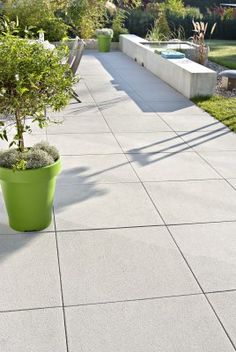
point(31, 78)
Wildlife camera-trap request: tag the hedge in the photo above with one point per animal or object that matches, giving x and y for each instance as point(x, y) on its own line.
point(204, 4)
point(225, 30)
point(139, 22)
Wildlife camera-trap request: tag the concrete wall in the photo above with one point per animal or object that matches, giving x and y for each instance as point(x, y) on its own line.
point(186, 76)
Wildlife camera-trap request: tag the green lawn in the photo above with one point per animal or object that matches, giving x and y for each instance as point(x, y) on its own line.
point(223, 109)
point(223, 52)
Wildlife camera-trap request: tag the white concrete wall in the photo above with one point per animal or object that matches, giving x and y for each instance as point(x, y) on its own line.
point(186, 76)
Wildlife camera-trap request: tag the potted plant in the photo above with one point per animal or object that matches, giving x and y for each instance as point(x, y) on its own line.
point(32, 78)
point(198, 38)
point(104, 37)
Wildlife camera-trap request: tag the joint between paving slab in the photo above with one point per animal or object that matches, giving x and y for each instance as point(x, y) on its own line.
point(61, 286)
point(117, 301)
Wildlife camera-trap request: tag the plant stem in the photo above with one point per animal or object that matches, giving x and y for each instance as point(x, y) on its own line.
point(20, 129)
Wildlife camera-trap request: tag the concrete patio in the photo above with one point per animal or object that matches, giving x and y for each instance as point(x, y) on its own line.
point(141, 256)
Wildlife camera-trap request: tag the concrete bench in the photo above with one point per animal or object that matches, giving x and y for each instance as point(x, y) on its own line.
point(228, 79)
point(186, 76)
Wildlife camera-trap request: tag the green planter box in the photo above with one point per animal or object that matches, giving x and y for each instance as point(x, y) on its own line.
point(104, 43)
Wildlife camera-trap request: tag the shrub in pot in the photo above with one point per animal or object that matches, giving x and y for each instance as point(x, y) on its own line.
point(104, 37)
point(31, 79)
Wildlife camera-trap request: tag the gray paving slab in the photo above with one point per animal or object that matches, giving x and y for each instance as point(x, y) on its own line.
point(183, 108)
point(103, 97)
point(191, 123)
point(210, 250)
point(153, 142)
point(124, 106)
point(232, 182)
point(223, 162)
point(117, 85)
point(96, 82)
point(194, 201)
point(118, 60)
point(185, 324)
point(83, 92)
point(114, 265)
point(29, 271)
point(4, 227)
point(96, 70)
point(139, 77)
point(78, 124)
point(161, 94)
point(218, 140)
point(103, 205)
point(32, 331)
point(85, 143)
point(137, 123)
point(30, 139)
point(225, 305)
point(76, 109)
point(101, 91)
point(96, 169)
point(171, 166)
point(148, 83)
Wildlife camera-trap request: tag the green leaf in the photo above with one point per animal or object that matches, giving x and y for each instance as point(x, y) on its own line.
point(23, 90)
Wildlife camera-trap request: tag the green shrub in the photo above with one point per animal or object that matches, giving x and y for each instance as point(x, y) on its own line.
point(140, 22)
point(155, 33)
point(118, 24)
point(228, 14)
point(193, 12)
point(35, 14)
point(29, 12)
point(37, 158)
point(54, 28)
point(160, 30)
point(49, 149)
point(174, 7)
point(40, 155)
point(163, 25)
point(85, 16)
point(9, 158)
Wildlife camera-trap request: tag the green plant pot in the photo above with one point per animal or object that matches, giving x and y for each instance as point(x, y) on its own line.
point(104, 43)
point(28, 196)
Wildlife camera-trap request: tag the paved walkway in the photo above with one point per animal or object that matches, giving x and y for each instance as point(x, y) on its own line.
point(142, 253)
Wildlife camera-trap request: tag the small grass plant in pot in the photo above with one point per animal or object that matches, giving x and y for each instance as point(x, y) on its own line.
point(32, 78)
point(104, 37)
point(200, 29)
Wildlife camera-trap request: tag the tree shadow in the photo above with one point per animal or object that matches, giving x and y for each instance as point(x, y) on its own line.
point(84, 188)
point(143, 158)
